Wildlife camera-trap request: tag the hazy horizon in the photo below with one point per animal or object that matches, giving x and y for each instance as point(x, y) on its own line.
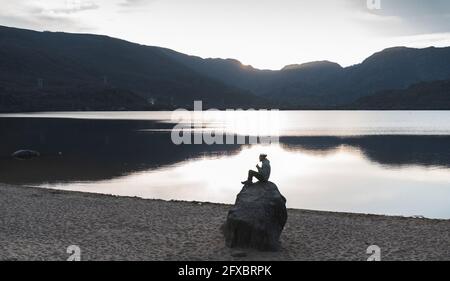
point(265, 34)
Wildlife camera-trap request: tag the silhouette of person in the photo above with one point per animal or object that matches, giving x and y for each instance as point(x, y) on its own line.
point(263, 173)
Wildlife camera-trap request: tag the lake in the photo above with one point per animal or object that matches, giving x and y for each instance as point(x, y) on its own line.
point(379, 162)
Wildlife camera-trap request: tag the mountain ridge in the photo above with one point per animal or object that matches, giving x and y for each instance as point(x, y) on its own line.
point(392, 68)
point(433, 95)
point(71, 63)
point(53, 63)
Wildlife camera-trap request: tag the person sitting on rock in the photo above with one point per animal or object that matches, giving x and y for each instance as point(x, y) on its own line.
point(263, 173)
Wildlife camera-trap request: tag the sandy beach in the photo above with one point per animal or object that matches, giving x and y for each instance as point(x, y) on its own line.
point(39, 224)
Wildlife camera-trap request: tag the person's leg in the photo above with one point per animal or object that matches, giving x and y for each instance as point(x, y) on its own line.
point(255, 174)
point(260, 177)
point(251, 174)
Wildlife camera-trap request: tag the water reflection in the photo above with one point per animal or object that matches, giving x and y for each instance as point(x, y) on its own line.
point(387, 150)
point(89, 150)
point(386, 174)
point(339, 181)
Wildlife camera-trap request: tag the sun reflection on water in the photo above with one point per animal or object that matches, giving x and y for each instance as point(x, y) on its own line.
point(343, 180)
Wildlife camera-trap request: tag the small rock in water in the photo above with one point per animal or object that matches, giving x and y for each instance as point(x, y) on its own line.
point(25, 154)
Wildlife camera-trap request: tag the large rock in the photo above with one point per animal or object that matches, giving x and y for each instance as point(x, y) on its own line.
point(257, 218)
point(25, 154)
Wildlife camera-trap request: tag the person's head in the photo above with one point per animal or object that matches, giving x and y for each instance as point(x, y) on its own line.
point(262, 157)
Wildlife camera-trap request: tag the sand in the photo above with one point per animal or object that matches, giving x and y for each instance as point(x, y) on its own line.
point(39, 224)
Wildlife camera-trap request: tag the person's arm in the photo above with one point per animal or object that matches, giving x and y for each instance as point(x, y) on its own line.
point(264, 170)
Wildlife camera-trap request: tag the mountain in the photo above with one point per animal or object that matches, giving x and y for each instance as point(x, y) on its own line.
point(422, 96)
point(395, 69)
point(38, 66)
point(61, 71)
point(230, 71)
point(326, 84)
point(294, 83)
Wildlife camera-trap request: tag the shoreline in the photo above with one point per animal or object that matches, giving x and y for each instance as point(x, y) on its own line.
point(39, 224)
point(93, 194)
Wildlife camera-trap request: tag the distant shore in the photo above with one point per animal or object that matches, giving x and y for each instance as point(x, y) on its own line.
point(39, 224)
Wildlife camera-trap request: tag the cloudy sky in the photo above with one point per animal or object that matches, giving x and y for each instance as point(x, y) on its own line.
point(263, 33)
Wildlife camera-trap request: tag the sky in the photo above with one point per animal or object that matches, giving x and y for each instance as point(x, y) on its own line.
point(266, 34)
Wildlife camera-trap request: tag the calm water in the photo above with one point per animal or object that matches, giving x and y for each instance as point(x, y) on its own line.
point(395, 163)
